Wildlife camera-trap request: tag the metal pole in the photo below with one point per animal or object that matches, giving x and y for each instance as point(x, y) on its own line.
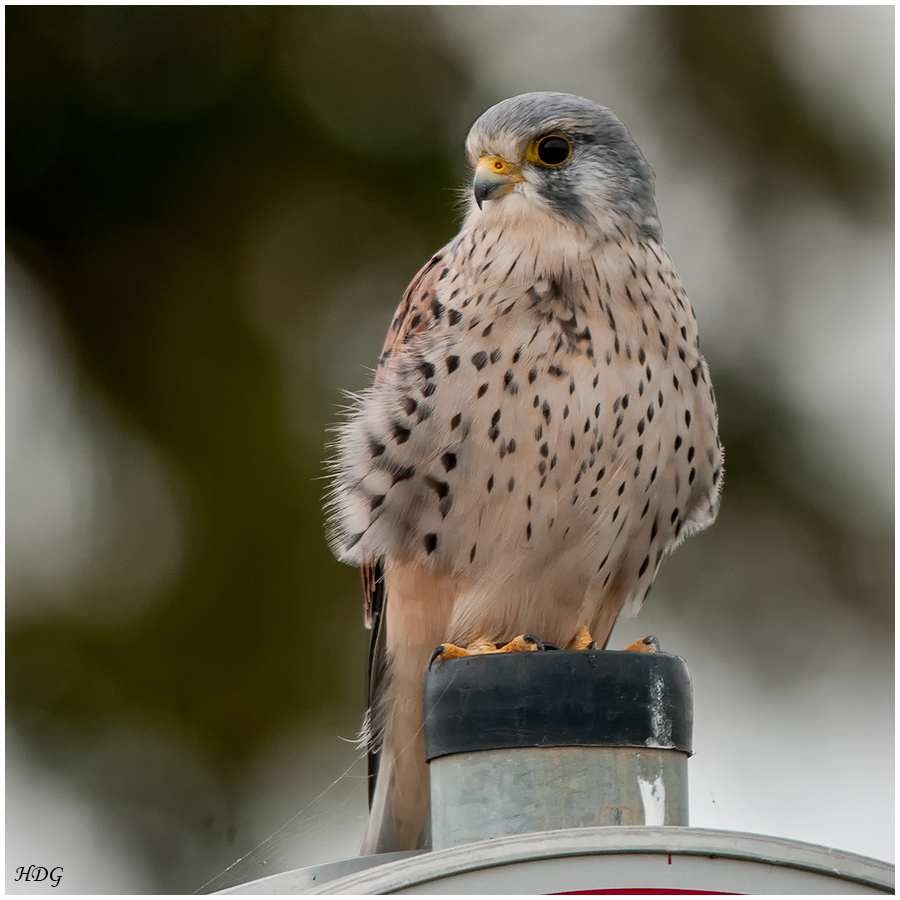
point(525, 742)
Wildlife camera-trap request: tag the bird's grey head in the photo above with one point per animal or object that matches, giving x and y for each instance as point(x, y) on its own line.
point(568, 156)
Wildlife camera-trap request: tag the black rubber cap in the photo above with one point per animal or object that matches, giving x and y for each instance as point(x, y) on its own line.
point(572, 698)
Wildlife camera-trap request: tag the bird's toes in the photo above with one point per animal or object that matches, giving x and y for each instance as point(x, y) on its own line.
point(648, 644)
point(447, 651)
point(583, 640)
point(477, 647)
point(522, 642)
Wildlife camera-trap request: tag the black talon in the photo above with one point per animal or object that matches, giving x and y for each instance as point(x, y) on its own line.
point(651, 641)
point(438, 651)
point(591, 646)
point(531, 639)
point(548, 646)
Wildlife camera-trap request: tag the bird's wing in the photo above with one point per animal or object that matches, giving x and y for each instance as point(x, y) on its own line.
point(417, 311)
point(374, 596)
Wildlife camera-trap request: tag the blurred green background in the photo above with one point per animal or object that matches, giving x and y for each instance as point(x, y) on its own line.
point(211, 214)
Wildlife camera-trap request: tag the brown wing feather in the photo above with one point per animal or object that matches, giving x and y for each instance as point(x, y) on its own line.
point(375, 594)
point(417, 311)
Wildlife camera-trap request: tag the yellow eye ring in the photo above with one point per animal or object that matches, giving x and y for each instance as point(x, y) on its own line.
point(551, 150)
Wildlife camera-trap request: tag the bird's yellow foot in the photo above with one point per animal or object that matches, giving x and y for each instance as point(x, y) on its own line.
point(522, 642)
point(583, 640)
point(483, 645)
point(647, 644)
point(448, 651)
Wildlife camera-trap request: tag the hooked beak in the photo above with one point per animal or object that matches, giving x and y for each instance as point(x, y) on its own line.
point(494, 177)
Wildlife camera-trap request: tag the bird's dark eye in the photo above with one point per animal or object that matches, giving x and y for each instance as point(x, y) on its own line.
point(553, 150)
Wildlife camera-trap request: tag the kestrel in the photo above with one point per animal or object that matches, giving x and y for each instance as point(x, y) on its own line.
point(540, 432)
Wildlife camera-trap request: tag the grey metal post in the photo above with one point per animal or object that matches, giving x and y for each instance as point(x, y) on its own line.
point(525, 742)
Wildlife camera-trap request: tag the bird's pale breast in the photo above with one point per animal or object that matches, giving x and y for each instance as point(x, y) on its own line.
point(539, 430)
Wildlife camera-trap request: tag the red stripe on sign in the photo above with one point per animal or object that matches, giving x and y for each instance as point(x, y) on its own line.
point(643, 891)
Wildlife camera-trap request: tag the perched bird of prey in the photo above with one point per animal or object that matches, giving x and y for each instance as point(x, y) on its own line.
point(540, 432)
